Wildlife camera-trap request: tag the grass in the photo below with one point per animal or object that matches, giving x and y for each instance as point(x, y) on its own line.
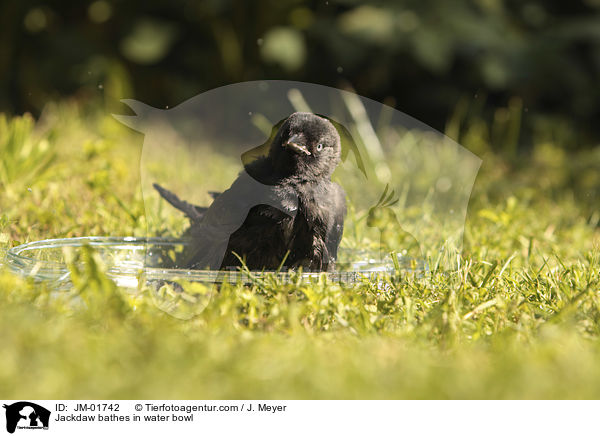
point(518, 318)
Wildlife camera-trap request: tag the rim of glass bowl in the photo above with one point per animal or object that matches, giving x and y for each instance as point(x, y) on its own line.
point(129, 275)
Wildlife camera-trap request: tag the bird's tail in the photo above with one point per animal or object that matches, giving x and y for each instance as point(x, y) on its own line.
point(194, 213)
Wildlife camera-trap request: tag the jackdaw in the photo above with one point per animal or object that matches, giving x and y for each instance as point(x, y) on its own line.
point(282, 210)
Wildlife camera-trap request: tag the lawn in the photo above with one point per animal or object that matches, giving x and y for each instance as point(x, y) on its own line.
point(519, 317)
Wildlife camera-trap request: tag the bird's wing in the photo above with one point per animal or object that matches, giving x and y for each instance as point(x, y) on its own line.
point(227, 213)
point(336, 229)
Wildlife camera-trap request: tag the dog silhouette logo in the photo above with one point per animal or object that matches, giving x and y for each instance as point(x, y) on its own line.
point(408, 185)
point(26, 415)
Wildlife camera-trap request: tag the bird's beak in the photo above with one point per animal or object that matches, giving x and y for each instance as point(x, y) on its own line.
point(294, 145)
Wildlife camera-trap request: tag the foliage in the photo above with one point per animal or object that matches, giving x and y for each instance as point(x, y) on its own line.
point(519, 318)
point(424, 56)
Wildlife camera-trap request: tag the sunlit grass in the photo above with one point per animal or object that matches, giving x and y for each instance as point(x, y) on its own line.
point(519, 318)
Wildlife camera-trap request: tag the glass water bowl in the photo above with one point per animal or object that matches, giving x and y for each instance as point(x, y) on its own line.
point(131, 262)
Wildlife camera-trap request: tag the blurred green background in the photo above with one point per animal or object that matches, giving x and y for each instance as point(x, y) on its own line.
point(538, 61)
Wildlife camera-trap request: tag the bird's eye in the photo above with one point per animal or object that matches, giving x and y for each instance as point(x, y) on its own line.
point(319, 147)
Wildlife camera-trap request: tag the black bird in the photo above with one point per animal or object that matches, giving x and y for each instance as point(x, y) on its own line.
point(282, 204)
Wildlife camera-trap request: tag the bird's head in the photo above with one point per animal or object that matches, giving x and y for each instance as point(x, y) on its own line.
point(307, 146)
